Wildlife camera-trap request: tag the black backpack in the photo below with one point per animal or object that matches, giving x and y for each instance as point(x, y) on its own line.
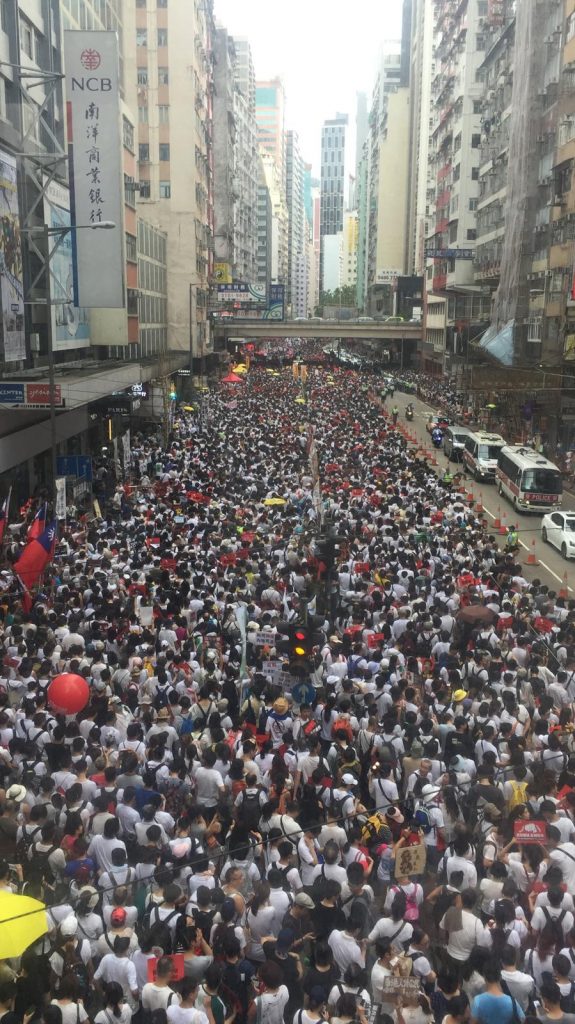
point(37, 865)
point(250, 810)
point(74, 966)
point(554, 924)
point(23, 845)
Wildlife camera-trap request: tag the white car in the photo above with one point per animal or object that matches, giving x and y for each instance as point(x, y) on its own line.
point(558, 528)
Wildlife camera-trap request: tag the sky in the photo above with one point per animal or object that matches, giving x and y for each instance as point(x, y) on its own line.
point(324, 50)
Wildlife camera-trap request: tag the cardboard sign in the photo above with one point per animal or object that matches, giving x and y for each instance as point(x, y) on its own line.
point(178, 966)
point(401, 986)
point(530, 831)
point(410, 860)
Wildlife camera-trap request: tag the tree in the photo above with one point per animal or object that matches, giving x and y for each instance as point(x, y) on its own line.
point(340, 297)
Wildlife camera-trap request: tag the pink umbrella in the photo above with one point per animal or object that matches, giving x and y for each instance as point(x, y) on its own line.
point(232, 378)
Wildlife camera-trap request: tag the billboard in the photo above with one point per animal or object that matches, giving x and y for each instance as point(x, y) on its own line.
point(96, 177)
point(240, 292)
point(11, 279)
point(387, 276)
point(70, 327)
point(223, 273)
point(275, 310)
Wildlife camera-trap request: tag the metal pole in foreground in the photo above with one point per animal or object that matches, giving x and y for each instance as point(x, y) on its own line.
point(51, 376)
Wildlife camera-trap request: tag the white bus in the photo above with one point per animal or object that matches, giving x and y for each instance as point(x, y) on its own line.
point(528, 479)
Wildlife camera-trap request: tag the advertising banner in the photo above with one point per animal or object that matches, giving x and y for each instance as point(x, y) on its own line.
point(11, 279)
point(275, 310)
point(70, 327)
point(96, 177)
point(60, 497)
point(126, 451)
point(240, 292)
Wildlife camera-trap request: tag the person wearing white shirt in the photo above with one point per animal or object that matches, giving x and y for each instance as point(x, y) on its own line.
point(186, 1012)
point(346, 947)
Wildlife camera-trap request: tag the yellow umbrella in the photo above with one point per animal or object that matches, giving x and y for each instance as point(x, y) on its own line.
point(300, 401)
point(240, 368)
point(274, 501)
point(24, 922)
point(188, 408)
point(269, 370)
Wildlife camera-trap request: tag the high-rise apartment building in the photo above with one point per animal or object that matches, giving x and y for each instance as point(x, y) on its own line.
point(172, 65)
point(333, 184)
point(270, 117)
point(350, 243)
point(244, 71)
point(280, 220)
point(420, 182)
point(387, 184)
point(452, 298)
point(235, 165)
point(264, 231)
point(297, 273)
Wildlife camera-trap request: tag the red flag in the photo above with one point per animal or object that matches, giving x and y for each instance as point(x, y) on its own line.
point(38, 523)
point(36, 555)
point(4, 512)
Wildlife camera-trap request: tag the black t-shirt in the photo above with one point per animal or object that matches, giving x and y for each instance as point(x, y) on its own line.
point(324, 979)
point(288, 964)
point(325, 919)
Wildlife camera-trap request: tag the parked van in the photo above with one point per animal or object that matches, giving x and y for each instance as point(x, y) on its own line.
point(454, 439)
point(528, 479)
point(481, 453)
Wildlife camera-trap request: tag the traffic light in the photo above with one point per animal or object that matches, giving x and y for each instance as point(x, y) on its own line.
point(300, 650)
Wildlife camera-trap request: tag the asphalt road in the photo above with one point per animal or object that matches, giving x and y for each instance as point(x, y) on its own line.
point(552, 566)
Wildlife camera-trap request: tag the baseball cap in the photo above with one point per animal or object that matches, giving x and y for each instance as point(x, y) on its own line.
point(284, 940)
point(348, 779)
point(118, 916)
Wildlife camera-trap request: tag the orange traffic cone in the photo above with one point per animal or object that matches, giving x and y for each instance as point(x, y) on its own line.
point(497, 520)
point(532, 556)
point(503, 526)
point(470, 497)
point(564, 588)
point(479, 503)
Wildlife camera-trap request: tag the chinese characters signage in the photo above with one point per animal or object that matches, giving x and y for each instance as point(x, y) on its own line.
point(11, 287)
point(241, 292)
point(449, 254)
point(93, 106)
point(70, 328)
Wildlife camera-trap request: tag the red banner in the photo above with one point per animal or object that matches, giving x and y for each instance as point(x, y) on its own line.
point(529, 831)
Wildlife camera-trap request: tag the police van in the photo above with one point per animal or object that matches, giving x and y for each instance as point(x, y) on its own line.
point(481, 453)
point(530, 481)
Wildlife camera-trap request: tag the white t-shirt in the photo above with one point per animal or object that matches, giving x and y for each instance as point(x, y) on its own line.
point(398, 931)
point(345, 950)
point(158, 997)
point(541, 916)
point(120, 969)
point(208, 785)
point(271, 1006)
point(471, 934)
point(564, 857)
point(107, 1016)
point(74, 1013)
point(185, 1015)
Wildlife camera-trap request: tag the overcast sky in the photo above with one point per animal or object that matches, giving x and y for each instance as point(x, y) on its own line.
point(325, 50)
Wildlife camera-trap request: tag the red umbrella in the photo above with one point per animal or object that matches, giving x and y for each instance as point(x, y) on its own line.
point(232, 378)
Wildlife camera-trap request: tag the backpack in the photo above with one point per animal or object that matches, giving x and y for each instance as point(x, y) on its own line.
point(554, 924)
point(23, 845)
point(518, 794)
point(388, 754)
point(411, 907)
point(338, 803)
point(249, 811)
point(37, 866)
point(158, 930)
point(567, 1003)
point(375, 830)
point(77, 969)
point(361, 908)
point(422, 819)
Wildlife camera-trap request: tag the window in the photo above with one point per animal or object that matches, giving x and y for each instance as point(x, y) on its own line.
point(131, 248)
point(163, 76)
point(144, 190)
point(570, 27)
point(143, 152)
point(475, 173)
point(164, 150)
point(141, 37)
point(479, 43)
point(162, 3)
point(140, 3)
point(475, 141)
point(27, 38)
point(162, 37)
point(142, 76)
point(165, 190)
point(128, 134)
point(482, 8)
point(473, 204)
point(163, 113)
point(471, 234)
point(132, 303)
point(142, 115)
point(477, 106)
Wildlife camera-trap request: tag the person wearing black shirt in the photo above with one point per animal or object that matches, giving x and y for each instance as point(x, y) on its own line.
point(327, 915)
point(323, 973)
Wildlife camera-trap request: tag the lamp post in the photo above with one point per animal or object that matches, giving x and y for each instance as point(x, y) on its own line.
point(45, 232)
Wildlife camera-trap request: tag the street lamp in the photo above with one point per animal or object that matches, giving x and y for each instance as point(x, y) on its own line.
point(45, 232)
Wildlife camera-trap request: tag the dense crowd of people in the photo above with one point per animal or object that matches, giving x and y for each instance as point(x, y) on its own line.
point(219, 841)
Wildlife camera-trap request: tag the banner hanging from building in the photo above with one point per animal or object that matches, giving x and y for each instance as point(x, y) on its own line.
point(11, 276)
point(275, 310)
point(60, 497)
point(70, 326)
point(96, 177)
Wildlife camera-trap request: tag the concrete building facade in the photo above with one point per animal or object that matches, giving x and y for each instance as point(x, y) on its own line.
point(270, 117)
point(297, 273)
point(334, 182)
point(420, 182)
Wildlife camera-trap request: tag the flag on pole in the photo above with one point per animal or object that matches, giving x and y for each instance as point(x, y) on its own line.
point(36, 556)
point(38, 523)
point(4, 513)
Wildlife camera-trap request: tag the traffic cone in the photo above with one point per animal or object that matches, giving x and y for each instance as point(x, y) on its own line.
point(497, 520)
point(503, 526)
point(532, 556)
point(564, 589)
point(479, 503)
point(470, 497)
